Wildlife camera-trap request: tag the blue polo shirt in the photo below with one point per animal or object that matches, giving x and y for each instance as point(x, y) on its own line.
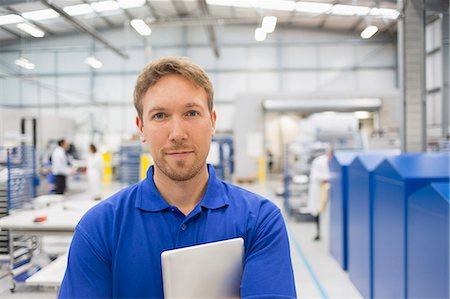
point(117, 245)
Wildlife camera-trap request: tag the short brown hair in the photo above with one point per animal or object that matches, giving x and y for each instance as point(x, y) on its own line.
point(157, 69)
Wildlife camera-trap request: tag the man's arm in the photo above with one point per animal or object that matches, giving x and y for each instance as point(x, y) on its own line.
point(88, 273)
point(268, 267)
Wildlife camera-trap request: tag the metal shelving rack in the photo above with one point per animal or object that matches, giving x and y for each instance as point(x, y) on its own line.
point(225, 168)
point(17, 192)
point(129, 163)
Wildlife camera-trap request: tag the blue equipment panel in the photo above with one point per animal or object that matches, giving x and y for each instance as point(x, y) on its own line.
point(338, 205)
point(394, 180)
point(428, 242)
point(360, 207)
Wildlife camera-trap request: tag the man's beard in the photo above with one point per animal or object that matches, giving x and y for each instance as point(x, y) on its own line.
point(182, 172)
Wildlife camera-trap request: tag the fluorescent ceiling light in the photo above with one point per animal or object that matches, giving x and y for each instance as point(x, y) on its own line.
point(369, 32)
point(362, 114)
point(260, 34)
point(39, 15)
point(105, 6)
point(93, 62)
point(80, 9)
point(269, 23)
point(10, 19)
point(130, 3)
point(265, 4)
point(349, 10)
point(141, 27)
point(313, 7)
point(31, 29)
point(25, 63)
point(385, 13)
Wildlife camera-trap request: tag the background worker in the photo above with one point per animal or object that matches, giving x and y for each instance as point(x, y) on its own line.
point(60, 166)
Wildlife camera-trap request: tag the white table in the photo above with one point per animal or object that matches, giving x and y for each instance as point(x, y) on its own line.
point(51, 275)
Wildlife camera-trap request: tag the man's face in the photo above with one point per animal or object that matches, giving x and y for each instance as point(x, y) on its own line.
point(177, 126)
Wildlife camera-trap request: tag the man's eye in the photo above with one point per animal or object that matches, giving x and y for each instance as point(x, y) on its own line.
point(159, 115)
point(192, 113)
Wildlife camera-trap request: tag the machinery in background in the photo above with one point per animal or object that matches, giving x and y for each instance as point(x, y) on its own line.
point(221, 156)
point(318, 133)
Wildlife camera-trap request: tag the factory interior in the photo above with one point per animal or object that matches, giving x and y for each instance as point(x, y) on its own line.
point(337, 111)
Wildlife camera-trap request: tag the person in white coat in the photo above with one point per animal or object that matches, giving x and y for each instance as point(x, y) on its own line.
point(94, 172)
point(60, 166)
point(319, 176)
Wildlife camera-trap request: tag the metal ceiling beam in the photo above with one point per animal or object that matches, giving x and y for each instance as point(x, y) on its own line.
point(11, 32)
point(153, 11)
point(180, 8)
point(14, 11)
point(211, 33)
point(85, 29)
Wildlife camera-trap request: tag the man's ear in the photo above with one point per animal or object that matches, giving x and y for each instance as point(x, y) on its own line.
point(213, 120)
point(141, 128)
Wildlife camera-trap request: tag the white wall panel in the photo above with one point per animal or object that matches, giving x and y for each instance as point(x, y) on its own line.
point(10, 90)
point(299, 57)
point(30, 93)
point(137, 60)
point(47, 91)
point(337, 81)
point(233, 57)
point(225, 117)
point(375, 55)
point(202, 56)
point(299, 82)
point(73, 89)
point(109, 89)
point(263, 57)
point(111, 61)
point(70, 62)
point(263, 82)
point(384, 78)
point(230, 84)
point(336, 56)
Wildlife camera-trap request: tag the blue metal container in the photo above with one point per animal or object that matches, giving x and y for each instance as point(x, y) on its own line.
point(338, 205)
point(360, 208)
point(395, 179)
point(428, 242)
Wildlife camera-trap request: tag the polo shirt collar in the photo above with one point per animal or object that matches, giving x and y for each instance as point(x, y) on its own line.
point(149, 199)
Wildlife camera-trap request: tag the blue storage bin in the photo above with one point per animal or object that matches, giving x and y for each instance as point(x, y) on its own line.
point(338, 205)
point(395, 179)
point(428, 242)
point(360, 207)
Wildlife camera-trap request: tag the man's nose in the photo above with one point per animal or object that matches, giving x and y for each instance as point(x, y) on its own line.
point(177, 130)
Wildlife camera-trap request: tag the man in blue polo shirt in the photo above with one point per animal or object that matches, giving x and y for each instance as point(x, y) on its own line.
point(116, 248)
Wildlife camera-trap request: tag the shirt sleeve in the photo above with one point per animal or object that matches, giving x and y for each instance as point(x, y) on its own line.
point(88, 273)
point(268, 267)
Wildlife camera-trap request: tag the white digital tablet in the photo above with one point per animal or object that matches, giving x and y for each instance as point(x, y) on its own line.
point(212, 270)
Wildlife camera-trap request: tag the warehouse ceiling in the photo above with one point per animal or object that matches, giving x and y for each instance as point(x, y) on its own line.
point(33, 19)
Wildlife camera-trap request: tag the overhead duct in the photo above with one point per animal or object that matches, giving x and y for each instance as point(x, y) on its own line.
point(320, 105)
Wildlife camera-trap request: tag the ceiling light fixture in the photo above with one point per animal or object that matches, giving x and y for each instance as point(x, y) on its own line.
point(39, 15)
point(350, 10)
point(10, 19)
point(124, 4)
point(141, 27)
point(93, 62)
point(313, 7)
point(105, 6)
point(31, 29)
point(260, 34)
point(25, 63)
point(267, 4)
point(369, 32)
point(80, 9)
point(269, 23)
point(385, 13)
point(362, 114)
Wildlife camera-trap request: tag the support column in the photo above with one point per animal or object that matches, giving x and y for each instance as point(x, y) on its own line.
point(411, 46)
point(445, 69)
